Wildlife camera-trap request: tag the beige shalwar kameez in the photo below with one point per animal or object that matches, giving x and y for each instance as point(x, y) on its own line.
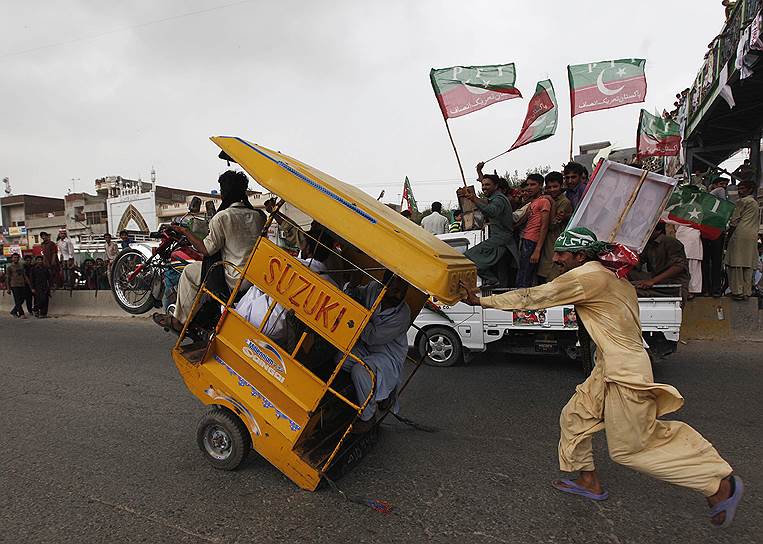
point(232, 232)
point(742, 252)
point(620, 395)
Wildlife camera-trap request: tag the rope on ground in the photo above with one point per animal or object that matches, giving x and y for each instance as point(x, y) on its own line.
point(375, 504)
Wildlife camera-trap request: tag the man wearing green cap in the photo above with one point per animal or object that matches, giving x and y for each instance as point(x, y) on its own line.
point(620, 396)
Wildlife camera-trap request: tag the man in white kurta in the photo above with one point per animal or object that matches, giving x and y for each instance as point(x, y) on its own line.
point(233, 232)
point(620, 396)
point(692, 241)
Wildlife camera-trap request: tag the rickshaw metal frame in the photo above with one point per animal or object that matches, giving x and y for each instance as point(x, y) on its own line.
point(347, 353)
point(302, 447)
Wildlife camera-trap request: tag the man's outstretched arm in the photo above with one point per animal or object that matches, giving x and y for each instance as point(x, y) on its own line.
point(566, 289)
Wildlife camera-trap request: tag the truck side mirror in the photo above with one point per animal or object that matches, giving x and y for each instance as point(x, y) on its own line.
point(195, 205)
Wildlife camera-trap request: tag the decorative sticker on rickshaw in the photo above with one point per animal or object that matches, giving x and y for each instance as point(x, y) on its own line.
point(529, 317)
point(217, 395)
point(266, 356)
point(570, 318)
point(318, 303)
point(266, 403)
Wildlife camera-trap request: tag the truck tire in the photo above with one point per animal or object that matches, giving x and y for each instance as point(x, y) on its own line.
point(442, 347)
point(587, 350)
point(223, 438)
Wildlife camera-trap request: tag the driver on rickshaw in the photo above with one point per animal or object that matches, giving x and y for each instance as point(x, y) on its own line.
point(383, 346)
point(233, 232)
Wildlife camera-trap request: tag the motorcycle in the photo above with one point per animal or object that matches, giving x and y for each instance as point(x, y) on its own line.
point(145, 275)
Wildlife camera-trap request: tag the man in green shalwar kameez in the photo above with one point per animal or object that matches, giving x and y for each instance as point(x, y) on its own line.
point(489, 254)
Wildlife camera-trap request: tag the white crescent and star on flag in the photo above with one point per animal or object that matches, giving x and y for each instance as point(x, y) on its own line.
point(603, 89)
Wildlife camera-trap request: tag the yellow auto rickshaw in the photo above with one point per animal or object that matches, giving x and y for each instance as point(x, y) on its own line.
point(289, 399)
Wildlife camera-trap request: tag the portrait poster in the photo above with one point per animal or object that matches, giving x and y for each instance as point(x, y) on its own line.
point(623, 204)
point(570, 318)
point(529, 317)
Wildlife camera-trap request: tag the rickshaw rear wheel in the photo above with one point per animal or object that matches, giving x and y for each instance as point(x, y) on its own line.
point(223, 438)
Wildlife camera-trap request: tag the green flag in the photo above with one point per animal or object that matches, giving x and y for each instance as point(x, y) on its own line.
point(408, 196)
point(540, 122)
point(691, 206)
point(657, 136)
point(606, 84)
point(464, 89)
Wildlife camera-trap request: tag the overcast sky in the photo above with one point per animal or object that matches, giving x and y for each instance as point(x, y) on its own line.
point(93, 88)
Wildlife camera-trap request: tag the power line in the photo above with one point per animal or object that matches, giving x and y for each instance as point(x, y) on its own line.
point(122, 29)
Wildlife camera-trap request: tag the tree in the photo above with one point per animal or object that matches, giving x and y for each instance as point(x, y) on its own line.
point(515, 179)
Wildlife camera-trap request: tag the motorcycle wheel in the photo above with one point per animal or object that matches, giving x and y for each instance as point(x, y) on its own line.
point(132, 296)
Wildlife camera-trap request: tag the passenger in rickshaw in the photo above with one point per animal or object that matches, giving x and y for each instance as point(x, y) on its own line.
point(382, 345)
point(233, 232)
point(254, 305)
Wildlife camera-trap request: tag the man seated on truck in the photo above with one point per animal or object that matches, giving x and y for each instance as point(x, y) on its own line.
point(233, 232)
point(665, 262)
point(382, 346)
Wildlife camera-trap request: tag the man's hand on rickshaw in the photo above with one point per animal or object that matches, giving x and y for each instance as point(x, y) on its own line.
point(470, 295)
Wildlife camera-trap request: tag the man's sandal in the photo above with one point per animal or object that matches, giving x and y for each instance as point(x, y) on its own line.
point(569, 486)
point(167, 322)
point(729, 506)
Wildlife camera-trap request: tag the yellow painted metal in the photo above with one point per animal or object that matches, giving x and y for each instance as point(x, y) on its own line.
point(402, 246)
point(319, 304)
point(279, 399)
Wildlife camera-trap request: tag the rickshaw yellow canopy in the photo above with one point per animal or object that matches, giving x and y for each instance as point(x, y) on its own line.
point(400, 245)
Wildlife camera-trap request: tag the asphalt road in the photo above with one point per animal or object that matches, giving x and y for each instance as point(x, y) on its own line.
point(97, 444)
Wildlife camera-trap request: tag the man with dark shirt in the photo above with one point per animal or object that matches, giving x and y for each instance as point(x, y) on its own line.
point(665, 261)
point(50, 256)
point(575, 182)
point(28, 264)
point(40, 280)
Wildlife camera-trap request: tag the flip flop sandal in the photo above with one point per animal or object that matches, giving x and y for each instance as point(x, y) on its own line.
point(569, 486)
point(729, 506)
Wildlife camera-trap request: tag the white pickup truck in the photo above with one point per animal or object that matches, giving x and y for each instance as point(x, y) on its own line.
point(451, 333)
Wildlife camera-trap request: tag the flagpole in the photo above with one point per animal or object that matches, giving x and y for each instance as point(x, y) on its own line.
point(493, 158)
point(458, 159)
point(572, 133)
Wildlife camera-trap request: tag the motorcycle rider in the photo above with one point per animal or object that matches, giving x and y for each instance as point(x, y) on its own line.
point(233, 232)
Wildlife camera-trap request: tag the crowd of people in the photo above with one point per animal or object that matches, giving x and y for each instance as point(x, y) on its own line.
point(525, 221)
point(32, 279)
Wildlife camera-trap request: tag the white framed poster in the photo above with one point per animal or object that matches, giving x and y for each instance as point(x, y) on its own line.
point(623, 204)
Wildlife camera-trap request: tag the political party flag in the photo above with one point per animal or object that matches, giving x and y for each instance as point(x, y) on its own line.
point(464, 89)
point(606, 84)
point(408, 196)
point(700, 210)
point(540, 122)
point(657, 136)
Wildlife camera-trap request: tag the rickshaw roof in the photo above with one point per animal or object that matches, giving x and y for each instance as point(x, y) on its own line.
point(397, 243)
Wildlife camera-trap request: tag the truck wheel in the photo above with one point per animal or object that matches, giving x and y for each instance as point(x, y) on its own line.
point(223, 439)
point(587, 351)
point(442, 347)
